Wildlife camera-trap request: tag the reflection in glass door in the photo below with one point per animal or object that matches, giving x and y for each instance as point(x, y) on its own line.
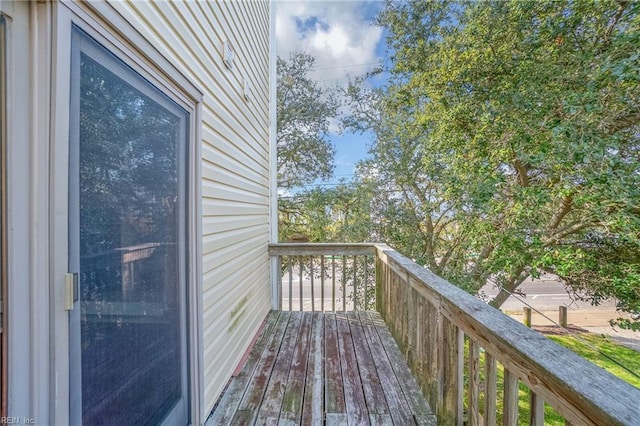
point(127, 243)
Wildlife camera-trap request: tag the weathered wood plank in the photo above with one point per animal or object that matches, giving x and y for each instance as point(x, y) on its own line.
point(536, 407)
point(229, 401)
point(301, 274)
point(367, 295)
point(510, 416)
point(434, 330)
point(258, 384)
point(329, 249)
point(490, 390)
point(451, 373)
point(336, 419)
point(313, 292)
point(380, 419)
point(295, 390)
point(474, 384)
point(396, 401)
point(373, 392)
point(333, 388)
point(290, 270)
point(274, 393)
point(416, 401)
point(354, 261)
point(354, 399)
point(333, 283)
point(313, 404)
point(322, 274)
point(344, 283)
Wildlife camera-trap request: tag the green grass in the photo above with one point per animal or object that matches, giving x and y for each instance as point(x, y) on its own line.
point(623, 355)
point(589, 346)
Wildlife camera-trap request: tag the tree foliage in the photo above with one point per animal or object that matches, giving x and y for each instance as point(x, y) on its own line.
point(304, 114)
point(508, 142)
point(336, 214)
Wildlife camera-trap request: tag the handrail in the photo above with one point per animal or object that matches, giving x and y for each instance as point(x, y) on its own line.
point(579, 390)
point(327, 276)
point(442, 332)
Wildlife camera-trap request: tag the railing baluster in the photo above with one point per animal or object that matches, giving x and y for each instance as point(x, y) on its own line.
point(322, 283)
point(355, 283)
point(290, 270)
point(451, 371)
point(474, 384)
point(333, 283)
point(434, 385)
point(490, 389)
point(313, 295)
point(301, 270)
point(366, 283)
point(536, 409)
point(510, 399)
point(344, 283)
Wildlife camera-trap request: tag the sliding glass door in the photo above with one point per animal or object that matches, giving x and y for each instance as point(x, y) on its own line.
point(127, 244)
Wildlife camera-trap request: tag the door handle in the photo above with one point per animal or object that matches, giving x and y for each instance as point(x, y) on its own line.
point(70, 290)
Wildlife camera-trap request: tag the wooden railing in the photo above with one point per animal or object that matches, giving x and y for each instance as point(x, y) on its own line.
point(475, 365)
point(326, 277)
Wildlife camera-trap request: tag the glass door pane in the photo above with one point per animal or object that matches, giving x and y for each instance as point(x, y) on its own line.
point(130, 244)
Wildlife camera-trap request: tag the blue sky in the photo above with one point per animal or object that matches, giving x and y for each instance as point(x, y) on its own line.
point(345, 43)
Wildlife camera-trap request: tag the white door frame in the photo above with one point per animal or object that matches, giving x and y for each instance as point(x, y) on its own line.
point(128, 44)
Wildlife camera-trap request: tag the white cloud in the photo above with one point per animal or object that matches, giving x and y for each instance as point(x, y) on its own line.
point(336, 33)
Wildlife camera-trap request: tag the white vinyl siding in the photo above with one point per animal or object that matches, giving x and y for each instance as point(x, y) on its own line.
point(235, 162)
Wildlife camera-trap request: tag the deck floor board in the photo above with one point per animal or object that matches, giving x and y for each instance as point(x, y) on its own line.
point(323, 368)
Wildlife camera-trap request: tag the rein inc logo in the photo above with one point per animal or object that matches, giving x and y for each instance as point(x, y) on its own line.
point(17, 421)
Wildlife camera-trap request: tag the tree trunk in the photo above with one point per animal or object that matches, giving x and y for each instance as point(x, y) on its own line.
point(500, 298)
point(509, 287)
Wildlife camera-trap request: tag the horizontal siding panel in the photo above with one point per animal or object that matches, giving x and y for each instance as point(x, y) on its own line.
point(214, 158)
point(228, 240)
point(224, 192)
point(221, 299)
point(227, 139)
point(218, 369)
point(235, 162)
point(217, 173)
point(226, 262)
point(215, 207)
point(215, 224)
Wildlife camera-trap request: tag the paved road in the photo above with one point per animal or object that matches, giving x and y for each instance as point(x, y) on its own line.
point(544, 294)
point(547, 294)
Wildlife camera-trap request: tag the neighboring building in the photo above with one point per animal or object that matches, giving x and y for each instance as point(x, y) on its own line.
point(137, 173)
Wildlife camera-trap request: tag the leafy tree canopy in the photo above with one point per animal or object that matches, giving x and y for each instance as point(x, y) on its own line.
point(508, 142)
point(304, 114)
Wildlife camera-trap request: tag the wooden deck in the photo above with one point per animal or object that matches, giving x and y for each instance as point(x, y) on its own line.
point(315, 368)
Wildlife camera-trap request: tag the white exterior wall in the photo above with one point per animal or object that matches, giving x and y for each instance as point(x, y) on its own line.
point(235, 163)
point(234, 228)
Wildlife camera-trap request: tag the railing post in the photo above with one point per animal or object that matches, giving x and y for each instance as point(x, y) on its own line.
point(527, 316)
point(563, 316)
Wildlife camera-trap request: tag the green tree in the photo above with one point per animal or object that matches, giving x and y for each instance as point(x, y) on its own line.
point(509, 137)
point(304, 114)
point(337, 214)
